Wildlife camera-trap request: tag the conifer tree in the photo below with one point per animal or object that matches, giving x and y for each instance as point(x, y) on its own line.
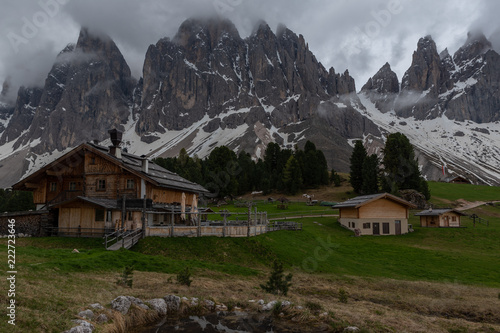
point(292, 176)
point(401, 169)
point(370, 175)
point(357, 158)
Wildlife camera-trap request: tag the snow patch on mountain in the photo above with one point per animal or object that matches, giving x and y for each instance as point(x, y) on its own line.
point(464, 146)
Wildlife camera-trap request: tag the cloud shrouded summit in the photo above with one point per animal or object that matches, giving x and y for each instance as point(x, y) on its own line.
point(356, 35)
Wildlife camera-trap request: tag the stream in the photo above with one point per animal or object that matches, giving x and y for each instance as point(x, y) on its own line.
point(228, 322)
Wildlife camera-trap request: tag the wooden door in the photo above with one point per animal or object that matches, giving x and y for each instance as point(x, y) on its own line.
point(398, 227)
point(376, 228)
point(75, 217)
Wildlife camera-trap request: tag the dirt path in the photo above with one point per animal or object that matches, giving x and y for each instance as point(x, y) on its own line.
point(469, 205)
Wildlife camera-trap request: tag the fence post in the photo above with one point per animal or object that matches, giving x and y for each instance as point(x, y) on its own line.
point(172, 222)
point(249, 219)
point(199, 225)
point(143, 218)
point(124, 208)
point(224, 227)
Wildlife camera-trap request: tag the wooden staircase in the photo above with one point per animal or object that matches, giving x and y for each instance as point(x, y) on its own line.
point(122, 239)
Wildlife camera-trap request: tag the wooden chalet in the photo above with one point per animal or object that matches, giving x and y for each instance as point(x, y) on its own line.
point(97, 189)
point(459, 180)
point(440, 218)
point(376, 214)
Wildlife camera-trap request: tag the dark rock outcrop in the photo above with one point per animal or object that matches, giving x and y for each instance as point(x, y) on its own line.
point(383, 88)
point(465, 87)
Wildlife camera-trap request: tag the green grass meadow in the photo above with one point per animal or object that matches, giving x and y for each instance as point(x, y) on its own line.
point(468, 255)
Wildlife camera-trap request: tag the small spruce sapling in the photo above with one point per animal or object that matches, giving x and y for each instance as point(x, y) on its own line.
point(126, 277)
point(184, 277)
point(278, 283)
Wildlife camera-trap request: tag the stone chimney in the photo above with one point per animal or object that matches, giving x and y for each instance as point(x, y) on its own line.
point(145, 164)
point(116, 140)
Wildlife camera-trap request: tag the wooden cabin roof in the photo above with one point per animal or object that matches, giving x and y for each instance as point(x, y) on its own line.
point(439, 212)
point(104, 203)
point(365, 199)
point(132, 163)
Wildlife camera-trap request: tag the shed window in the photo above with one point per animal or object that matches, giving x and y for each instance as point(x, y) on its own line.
point(454, 219)
point(53, 187)
point(385, 228)
point(99, 215)
point(108, 216)
point(366, 225)
point(130, 184)
point(101, 185)
point(72, 186)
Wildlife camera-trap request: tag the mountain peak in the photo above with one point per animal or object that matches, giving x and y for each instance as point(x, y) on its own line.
point(444, 54)
point(475, 45)
point(208, 29)
point(477, 37)
point(382, 88)
point(89, 38)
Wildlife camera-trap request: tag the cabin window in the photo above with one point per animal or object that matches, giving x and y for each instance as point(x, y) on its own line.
point(92, 160)
point(366, 225)
point(129, 216)
point(101, 185)
point(72, 186)
point(454, 219)
point(109, 217)
point(130, 184)
point(53, 187)
point(385, 228)
point(99, 215)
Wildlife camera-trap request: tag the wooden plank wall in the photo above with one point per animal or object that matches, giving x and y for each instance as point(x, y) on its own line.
point(383, 208)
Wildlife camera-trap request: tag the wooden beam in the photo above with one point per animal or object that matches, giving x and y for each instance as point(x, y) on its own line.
point(54, 173)
point(32, 185)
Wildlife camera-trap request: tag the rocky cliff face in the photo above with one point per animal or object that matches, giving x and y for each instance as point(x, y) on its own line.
point(87, 92)
point(208, 70)
point(463, 87)
point(451, 106)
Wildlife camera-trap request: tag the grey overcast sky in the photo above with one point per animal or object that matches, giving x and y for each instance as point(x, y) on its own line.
point(358, 35)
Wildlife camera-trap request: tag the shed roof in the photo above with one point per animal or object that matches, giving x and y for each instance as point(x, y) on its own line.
point(104, 203)
point(439, 212)
point(365, 199)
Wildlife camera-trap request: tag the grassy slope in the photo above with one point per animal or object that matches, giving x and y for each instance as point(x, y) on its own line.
point(454, 192)
point(50, 275)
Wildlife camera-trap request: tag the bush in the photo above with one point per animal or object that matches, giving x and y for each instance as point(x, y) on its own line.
point(343, 295)
point(126, 278)
point(278, 283)
point(313, 306)
point(184, 277)
point(276, 310)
